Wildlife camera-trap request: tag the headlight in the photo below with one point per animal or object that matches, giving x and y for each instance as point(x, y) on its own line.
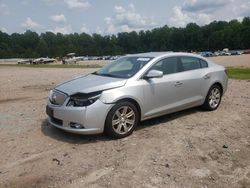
point(50, 95)
point(57, 97)
point(83, 99)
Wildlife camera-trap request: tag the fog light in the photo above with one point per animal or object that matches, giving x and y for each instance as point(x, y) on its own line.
point(76, 125)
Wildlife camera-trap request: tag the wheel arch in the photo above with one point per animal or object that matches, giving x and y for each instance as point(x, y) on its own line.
point(218, 84)
point(133, 101)
point(205, 104)
point(107, 129)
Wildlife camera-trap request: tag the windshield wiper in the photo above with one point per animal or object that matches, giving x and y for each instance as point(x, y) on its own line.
point(109, 75)
point(95, 73)
point(105, 74)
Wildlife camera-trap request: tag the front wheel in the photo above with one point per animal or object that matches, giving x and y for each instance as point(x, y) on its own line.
point(213, 98)
point(121, 120)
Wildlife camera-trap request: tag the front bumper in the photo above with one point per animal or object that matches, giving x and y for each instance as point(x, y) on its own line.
point(91, 118)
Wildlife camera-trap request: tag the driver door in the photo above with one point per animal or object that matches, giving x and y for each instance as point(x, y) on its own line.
point(162, 95)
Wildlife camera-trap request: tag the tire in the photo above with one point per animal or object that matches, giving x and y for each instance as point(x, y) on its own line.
point(213, 98)
point(121, 120)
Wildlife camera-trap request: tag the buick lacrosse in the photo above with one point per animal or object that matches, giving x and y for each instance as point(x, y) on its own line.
point(134, 88)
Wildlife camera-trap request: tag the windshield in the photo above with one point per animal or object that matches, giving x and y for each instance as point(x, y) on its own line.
point(124, 67)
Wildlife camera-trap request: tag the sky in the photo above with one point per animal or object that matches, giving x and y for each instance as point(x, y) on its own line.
point(112, 16)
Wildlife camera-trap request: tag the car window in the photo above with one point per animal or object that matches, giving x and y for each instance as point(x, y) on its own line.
point(190, 63)
point(167, 66)
point(203, 63)
point(157, 66)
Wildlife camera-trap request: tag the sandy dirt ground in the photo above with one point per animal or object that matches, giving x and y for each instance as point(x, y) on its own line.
point(232, 61)
point(191, 148)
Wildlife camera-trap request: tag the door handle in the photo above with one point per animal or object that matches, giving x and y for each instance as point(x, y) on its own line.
point(207, 76)
point(177, 84)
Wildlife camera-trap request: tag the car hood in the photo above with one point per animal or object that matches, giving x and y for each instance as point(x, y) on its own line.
point(90, 83)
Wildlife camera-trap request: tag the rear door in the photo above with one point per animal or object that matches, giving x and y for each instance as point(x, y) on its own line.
point(193, 79)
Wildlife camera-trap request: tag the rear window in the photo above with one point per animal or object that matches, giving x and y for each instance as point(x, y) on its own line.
point(203, 63)
point(190, 63)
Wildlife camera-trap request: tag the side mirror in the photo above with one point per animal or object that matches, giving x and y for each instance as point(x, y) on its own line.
point(153, 74)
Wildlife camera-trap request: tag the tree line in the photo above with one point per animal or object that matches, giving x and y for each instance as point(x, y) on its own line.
point(214, 36)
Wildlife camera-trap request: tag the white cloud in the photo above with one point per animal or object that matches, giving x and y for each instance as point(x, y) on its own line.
point(181, 19)
point(119, 10)
point(3, 29)
point(99, 30)
point(64, 30)
point(58, 18)
point(239, 12)
point(77, 3)
point(30, 24)
point(127, 19)
point(202, 18)
point(198, 11)
point(243, 9)
point(84, 29)
point(110, 26)
point(4, 9)
point(204, 12)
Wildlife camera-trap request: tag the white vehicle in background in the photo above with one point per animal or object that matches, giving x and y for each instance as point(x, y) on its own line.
point(217, 53)
point(225, 51)
point(85, 58)
point(25, 61)
point(43, 60)
point(70, 58)
point(114, 57)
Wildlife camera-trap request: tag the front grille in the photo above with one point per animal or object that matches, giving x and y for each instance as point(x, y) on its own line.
point(56, 121)
point(57, 97)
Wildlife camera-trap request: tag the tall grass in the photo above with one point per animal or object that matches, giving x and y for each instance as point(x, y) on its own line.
point(239, 73)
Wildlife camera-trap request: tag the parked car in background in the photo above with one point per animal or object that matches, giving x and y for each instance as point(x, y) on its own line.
point(25, 61)
point(134, 88)
point(217, 53)
point(226, 52)
point(234, 52)
point(43, 60)
point(206, 54)
point(246, 52)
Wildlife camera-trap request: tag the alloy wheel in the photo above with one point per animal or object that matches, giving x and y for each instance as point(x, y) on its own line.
point(123, 120)
point(214, 97)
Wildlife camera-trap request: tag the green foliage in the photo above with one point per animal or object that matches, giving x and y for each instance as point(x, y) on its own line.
point(239, 73)
point(214, 36)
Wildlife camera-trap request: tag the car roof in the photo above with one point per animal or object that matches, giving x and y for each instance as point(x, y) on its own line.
point(168, 53)
point(149, 54)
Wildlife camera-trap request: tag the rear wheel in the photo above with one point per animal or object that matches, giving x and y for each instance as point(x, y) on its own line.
point(121, 120)
point(213, 98)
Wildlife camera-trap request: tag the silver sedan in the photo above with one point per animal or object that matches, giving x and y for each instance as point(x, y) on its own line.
point(134, 88)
